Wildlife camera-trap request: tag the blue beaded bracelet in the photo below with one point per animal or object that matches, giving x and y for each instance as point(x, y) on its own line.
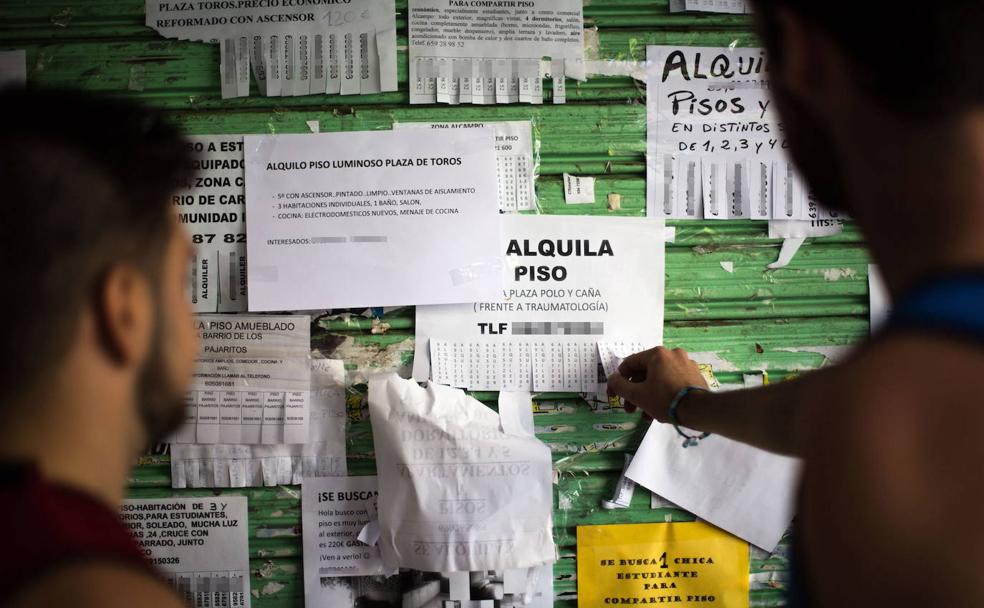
point(688, 440)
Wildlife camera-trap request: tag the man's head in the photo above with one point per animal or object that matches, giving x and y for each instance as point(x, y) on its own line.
point(841, 73)
point(94, 259)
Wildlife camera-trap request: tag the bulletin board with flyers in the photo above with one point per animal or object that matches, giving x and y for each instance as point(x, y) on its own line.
point(722, 302)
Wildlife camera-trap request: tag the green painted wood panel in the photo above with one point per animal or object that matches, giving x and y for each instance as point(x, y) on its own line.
point(784, 321)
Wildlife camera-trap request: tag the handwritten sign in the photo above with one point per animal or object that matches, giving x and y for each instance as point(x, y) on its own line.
point(683, 564)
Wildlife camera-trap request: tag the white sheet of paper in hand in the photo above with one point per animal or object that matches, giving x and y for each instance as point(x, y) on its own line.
point(743, 490)
point(456, 492)
point(381, 218)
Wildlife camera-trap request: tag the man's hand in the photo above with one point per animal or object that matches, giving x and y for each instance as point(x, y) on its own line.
point(649, 380)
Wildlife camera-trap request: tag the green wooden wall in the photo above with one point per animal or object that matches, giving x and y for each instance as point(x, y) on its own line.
point(784, 321)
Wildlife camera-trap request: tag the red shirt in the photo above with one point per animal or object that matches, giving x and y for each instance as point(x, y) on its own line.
point(48, 526)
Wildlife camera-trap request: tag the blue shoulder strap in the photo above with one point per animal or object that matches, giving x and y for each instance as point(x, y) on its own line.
point(951, 304)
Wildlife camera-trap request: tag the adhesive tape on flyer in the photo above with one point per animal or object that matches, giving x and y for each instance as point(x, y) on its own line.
point(475, 271)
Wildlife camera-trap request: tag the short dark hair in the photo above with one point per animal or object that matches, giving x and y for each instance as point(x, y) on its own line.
point(86, 183)
point(920, 59)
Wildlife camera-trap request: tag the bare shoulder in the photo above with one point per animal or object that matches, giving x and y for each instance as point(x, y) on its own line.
point(105, 584)
point(909, 417)
point(892, 469)
point(918, 386)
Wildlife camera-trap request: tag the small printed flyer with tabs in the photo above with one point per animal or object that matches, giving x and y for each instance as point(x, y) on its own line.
point(252, 381)
point(492, 52)
point(570, 283)
point(211, 206)
point(290, 47)
point(200, 545)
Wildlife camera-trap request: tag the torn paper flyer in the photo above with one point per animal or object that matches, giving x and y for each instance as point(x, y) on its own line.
point(491, 52)
point(212, 207)
point(570, 282)
point(795, 232)
point(515, 164)
point(382, 218)
point(313, 47)
point(458, 491)
point(241, 465)
point(334, 511)
point(715, 147)
point(744, 490)
point(252, 382)
point(579, 190)
point(199, 544)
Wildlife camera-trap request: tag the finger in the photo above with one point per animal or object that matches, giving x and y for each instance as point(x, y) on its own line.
point(630, 408)
point(647, 417)
point(621, 386)
point(634, 366)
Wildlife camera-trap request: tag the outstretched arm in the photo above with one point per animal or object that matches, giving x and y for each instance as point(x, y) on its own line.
point(764, 417)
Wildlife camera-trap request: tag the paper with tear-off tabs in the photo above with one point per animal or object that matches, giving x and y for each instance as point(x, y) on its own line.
point(200, 545)
point(715, 146)
point(239, 465)
point(515, 163)
point(491, 52)
point(292, 48)
point(379, 218)
point(456, 490)
point(211, 205)
point(570, 283)
point(252, 381)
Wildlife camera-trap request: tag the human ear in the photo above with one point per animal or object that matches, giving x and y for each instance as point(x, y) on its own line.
point(123, 310)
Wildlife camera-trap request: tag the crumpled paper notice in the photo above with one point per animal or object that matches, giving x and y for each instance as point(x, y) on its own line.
point(458, 489)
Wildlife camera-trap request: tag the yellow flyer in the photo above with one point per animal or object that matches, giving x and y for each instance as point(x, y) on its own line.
point(675, 564)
